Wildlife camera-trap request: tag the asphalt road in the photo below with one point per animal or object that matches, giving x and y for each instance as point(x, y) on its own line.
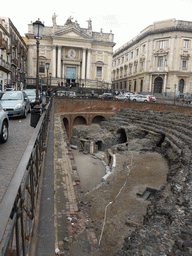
point(11, 152)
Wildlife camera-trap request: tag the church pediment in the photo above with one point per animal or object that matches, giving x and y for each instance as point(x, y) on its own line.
point(71, 32)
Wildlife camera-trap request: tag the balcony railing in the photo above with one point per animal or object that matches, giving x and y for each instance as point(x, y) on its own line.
point(5, 64)
point(19, 204)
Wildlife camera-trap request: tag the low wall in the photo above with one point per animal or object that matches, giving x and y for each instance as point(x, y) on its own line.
point(66, 105)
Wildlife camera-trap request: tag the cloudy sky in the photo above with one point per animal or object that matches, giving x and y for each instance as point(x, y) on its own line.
point(125, 18)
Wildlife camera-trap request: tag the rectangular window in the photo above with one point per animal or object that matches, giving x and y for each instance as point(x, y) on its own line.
point(127, 57)
point(186, 43)
point(118, 61)
point(41, 69)
point(132, 55)
point(99, 72)
point(184, 63)
point(122, 59)
point(162, 44)
point(137, 52)
point(160, 61)
point(144, 48)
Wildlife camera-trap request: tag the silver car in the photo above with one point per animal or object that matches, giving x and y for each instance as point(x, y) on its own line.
point(15, 103)
point(4, 125)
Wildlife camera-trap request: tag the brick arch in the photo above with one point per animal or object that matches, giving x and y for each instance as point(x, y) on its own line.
point(66, 124)
point(97, 119)
point(78, 120)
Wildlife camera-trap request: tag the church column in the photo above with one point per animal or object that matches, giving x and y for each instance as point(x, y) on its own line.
point(54, 62)
point(59, 62)
point(63, 72)
point(83, 64)
point(88, 64)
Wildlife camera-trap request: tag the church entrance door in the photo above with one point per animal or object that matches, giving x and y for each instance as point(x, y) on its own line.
point(70, 76)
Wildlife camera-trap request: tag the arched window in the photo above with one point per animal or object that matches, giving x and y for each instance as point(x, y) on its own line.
point(158, 85)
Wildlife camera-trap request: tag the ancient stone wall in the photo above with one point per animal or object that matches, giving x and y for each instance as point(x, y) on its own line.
point(167, 226)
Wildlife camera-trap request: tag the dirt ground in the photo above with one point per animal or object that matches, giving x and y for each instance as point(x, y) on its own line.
point(114, 206)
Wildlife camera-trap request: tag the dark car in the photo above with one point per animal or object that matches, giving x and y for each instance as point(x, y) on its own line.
point(15, 103)
point(31, 93)
point(106, 95)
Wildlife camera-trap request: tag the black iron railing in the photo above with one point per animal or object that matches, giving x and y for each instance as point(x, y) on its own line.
point(19, 204)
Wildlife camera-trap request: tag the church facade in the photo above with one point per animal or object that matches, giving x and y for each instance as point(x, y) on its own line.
point(76, 56)
point(158, 60)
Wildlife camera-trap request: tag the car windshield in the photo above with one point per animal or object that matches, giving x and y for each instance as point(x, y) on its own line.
point(30, 93)
point(12, 96)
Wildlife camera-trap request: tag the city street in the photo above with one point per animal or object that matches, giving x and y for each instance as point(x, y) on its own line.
point(11, 152)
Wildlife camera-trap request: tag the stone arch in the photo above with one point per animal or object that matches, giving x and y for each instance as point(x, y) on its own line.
point(122, 136)
point(99, 143)
point(181, 85)
point(66, 124)
point(79, 120)
point(158, 84)
point(98, 119)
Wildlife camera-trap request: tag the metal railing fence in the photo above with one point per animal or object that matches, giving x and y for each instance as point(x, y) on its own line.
point(19, 204)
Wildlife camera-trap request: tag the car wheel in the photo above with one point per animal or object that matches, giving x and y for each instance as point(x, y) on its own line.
point(145, 100)
point(4, 132)
point(25, 113)
point(134, 100)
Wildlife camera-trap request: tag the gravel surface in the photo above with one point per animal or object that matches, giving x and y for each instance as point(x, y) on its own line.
point(117, 197)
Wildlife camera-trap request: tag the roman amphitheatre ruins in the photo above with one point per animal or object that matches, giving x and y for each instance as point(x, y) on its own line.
point(148, 194)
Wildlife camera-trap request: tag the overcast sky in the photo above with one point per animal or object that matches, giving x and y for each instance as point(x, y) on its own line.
point(125, 18)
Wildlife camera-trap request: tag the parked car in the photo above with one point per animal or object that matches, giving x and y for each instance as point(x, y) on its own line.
point(133, 97)
point(142, 98)
point(91, 95)
point(15, 103)
point(31, 93)
point(106, 95)
point(4, 125)
point(121, 97)
point(9, 89)
point(70, 94)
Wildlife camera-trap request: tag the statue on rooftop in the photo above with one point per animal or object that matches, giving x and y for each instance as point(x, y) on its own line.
point(54, 19)
point(89, 24)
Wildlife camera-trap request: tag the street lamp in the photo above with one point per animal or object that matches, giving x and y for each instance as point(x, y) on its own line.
point(47, 67)
point(50, 74)
point(38, 31)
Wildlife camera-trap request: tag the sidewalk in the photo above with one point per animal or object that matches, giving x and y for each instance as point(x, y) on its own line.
point(64, 224)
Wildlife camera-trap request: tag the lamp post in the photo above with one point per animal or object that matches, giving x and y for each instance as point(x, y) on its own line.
point(38, 31)
point(50, 74)
point(36, 111)
point(47, 67)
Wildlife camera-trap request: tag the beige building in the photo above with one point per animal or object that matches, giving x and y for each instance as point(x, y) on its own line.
point(158, 60)
point(13, 56)
point(75, 54)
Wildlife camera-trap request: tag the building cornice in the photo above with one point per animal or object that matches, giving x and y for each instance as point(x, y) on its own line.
point(182, 26)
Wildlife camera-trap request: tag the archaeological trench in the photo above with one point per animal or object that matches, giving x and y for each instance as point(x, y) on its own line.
point(166, 228)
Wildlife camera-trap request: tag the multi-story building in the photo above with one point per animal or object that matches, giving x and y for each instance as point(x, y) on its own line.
point(158, 60)
point(75, 55)
point(13, 56)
